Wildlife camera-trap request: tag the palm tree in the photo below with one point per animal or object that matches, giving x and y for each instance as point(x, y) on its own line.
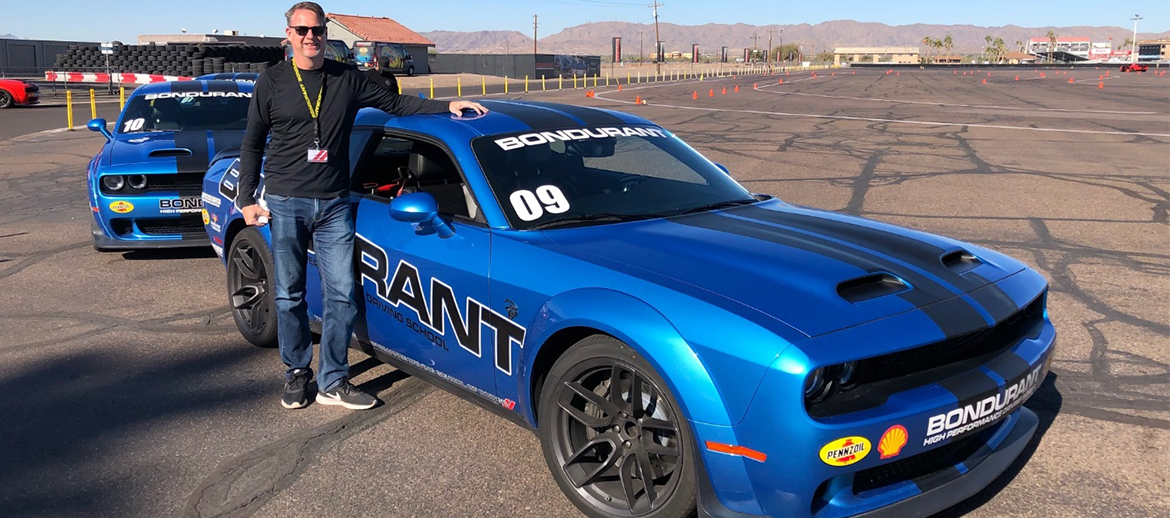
point(1020, 46)
point(938, 45)
point(1051, 43)
point(926, 43)
point(987, 45)
point(949, 43)
point(1000, 49)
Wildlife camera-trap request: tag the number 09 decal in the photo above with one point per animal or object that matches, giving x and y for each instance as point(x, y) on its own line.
point(531, 206)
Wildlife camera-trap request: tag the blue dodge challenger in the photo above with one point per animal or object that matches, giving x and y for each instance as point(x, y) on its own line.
point(145, 182)
point(678, 344)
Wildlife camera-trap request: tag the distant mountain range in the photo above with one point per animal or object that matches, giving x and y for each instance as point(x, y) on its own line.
point(8, 37)
point(594, 38)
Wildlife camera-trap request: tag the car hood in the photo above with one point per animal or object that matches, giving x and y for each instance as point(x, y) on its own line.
point(189, 151)
point(815, 271)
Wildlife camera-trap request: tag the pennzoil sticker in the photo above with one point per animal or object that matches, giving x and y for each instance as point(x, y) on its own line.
point(845, 451)
point(121, 207)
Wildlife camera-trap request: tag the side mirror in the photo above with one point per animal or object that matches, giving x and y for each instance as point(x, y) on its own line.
point(420, 207)
point(99, 125)
point(723, 168)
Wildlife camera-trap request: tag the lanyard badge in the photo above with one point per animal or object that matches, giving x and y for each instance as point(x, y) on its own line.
point(314, 154)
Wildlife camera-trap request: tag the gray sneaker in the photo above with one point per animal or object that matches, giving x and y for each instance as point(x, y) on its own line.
point(295, 388)
point(348, 396)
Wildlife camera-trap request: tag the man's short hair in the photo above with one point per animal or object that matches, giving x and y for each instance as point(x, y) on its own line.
point(311, 6)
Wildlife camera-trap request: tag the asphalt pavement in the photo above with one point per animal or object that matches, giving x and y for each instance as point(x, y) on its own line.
point(132, 394)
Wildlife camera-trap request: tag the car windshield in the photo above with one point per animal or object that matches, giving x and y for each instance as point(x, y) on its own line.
point(174, 111)
point(596, 175)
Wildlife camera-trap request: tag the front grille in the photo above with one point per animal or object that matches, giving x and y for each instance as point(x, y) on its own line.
point(186, 184)
point(189, 225)
point(881, 376)
point(917, 466)
point(963, 347)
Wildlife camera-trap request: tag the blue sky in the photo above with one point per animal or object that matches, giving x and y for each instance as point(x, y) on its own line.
point(87, 20)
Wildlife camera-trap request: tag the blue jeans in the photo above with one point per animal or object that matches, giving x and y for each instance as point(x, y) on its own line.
point(327, 225)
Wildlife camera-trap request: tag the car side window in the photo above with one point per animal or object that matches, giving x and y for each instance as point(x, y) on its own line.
point(397, 165)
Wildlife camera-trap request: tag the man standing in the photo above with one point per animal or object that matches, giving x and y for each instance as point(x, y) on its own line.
point(308, 106)
point(381, 74)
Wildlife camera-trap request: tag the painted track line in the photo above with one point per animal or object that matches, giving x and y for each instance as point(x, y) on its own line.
point(895, 121)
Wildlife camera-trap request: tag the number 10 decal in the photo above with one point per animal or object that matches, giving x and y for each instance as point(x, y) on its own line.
point(134, 125)
point(530, 206)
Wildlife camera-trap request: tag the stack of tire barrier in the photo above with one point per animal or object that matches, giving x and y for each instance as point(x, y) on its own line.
point(172, 60)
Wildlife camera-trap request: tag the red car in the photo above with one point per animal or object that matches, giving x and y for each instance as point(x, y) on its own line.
point(13, 92)
point(1134, 67)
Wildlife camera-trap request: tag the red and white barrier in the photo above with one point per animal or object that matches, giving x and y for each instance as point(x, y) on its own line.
point(102, 77)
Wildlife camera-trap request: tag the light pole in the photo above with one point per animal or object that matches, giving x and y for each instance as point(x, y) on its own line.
point(1133, 43)
point(782, 47)
point(641, 56)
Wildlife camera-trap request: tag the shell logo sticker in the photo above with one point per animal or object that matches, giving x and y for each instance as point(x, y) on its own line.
point(892, 441)
point(121, 207)
point(206, 217)
point(845, 451)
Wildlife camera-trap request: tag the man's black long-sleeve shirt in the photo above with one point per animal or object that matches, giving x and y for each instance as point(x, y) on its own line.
point(278, 107)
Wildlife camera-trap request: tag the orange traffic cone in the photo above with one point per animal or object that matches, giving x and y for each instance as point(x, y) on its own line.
point(953, 72)
point(814, 75)
point(1017, 78)
point(985, 80)
point(737, 88)
point(1070, 80)
point(637, 99)
point(694, 95)
point(898, 74)
point(781, 82)
point(619, 87)
point(1101, 85)
point(755, 86)
point(589, 93)
point(1106, 73)
point(853, 73)
point(833, 74)
point(711, 93)
point(724, 92)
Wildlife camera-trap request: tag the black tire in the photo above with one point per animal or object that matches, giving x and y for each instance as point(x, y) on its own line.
point(249, 268)
point(598, 451)
point(6, 100)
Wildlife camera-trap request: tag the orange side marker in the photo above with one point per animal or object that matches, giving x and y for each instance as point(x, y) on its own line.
point(737, 450)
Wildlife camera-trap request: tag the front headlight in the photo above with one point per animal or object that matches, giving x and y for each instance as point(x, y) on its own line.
point(113, 182)
point(137, 181)
point(816, 387)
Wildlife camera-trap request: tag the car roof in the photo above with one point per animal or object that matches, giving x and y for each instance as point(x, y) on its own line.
point(194, 86)
point(504, 117)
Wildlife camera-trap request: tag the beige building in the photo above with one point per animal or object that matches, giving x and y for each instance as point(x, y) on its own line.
point(1153, 50)
point(898, 55)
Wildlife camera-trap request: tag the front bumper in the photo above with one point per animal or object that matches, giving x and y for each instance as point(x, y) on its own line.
point(135, 240)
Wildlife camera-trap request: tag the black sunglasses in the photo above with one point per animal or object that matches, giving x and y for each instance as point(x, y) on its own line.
point(303, 30)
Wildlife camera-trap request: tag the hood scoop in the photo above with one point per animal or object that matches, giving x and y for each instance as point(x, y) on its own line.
point(170, 152)
point(870, 287)
point(960, 261)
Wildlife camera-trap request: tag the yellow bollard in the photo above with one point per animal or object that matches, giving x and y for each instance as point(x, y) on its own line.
point(560, 82)
point(399, 88)
point(594, 80)
point(543, 86)
point(607, 80)
point(432, 88)
point(525, 84)
point(458, 87)
point(69, 108)
point(121, 98)
point(627, 77)
point(92, 105)
point(483, 84)
point(505, 84)
point(574, 81)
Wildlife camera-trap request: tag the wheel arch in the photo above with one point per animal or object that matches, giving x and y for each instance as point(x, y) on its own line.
point(580, 313)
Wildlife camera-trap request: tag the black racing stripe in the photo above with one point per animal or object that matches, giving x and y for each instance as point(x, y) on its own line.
point(196, 141)
point(1009, 367)
point(187, 86)
point(535, 118)
point(993, 299)
point(954, 317)
point(921, 254)
point(936, 479)
point(590, 116)
point(951, 318)
point(223, 86)
point(970, 387)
